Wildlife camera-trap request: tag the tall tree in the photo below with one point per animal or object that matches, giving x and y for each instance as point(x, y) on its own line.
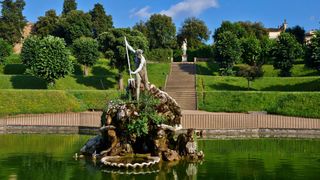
point(298, 32)
point(112, 43)
point(12, 20)
point(74, 25)
point(285, 52)
point(161, 31)
point(101, 22)
point(266, 49)
point(195, 31)
point(86, 51)
point(46, 25)
point(313, 53)
point(251, 50)
point(142, 27)
point(227, 51)
point(68, 6)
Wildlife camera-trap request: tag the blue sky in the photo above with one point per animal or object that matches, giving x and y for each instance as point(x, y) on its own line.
point(126, 13)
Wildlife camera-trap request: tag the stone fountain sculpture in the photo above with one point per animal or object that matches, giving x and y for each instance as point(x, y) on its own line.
point(141, 130)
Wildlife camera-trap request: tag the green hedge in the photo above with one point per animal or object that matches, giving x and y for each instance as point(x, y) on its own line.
point(202, 52)
point(159, 55)
point(14, 69)
point(302, 104)
point(52, 101)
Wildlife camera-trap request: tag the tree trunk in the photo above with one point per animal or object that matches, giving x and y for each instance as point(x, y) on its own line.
point(85, 70)
point(120, 81)
point(249, 84)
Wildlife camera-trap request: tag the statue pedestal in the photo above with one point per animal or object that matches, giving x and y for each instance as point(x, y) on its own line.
point(184, 58)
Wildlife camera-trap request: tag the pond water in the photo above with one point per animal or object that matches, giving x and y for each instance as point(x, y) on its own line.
point(46, 157)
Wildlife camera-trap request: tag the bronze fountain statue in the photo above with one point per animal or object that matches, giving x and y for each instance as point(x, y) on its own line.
point(143, 129)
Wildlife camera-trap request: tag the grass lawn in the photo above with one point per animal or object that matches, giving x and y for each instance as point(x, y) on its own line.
point(101, 77)
point(302, 104)
point(298, 70)
point(222, 83)
point(53, 101)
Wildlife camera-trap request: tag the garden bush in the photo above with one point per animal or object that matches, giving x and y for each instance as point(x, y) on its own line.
point(202, 52)
point(159, 55)
point(47, 58)
point(5, 50)
point(86, 52)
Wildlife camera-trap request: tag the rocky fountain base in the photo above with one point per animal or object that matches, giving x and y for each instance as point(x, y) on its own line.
point(142, 133)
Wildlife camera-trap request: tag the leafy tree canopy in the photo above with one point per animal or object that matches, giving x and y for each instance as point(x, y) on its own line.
point(227, 51)
point(285, 52)
point(142, 27)
point(5, 50)
point(243, 29)
point(234, 28)
point(255, 29)
point(86, 50)
point(101, 22)
point(46, 25)
point(113, 45)
point(47, 58)
point(298, 32)
point(68, 6)
point(313, 52)
point(74, 25)
point(251, 50)
point(12, 20)
point(195, 31)
point(161, 31)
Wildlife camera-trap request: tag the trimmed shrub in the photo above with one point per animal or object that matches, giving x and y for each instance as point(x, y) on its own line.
point(5, 50)
point(14, 69)
point(47, 58)
point(302, 104)
point(202, 52)
point(177, 55)
point(159, 55)
point(86, 52)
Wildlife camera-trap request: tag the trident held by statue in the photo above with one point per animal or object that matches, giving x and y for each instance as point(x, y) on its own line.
point(140, 72)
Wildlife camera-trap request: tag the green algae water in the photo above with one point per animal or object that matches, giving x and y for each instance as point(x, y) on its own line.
point(46, 157)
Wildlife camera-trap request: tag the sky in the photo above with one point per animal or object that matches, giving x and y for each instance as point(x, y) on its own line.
point(126, 13)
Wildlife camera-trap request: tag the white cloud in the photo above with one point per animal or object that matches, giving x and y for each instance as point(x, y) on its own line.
point(141, 13)
point(190, 7)
point(185, 7)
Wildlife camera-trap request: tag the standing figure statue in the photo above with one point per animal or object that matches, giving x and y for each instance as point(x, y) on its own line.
point(184, 50)
point(141, 70)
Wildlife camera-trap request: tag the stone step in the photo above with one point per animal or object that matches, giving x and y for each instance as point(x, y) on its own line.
point(181, 85)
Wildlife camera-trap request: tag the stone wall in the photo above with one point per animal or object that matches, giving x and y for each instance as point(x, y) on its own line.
point(208, 125)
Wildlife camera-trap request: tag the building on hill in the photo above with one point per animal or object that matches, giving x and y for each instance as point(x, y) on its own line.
point(309, 36)
point(26, 33)
point(274, 33)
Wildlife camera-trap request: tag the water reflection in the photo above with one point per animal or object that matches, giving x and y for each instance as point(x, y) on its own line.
point(38, 157)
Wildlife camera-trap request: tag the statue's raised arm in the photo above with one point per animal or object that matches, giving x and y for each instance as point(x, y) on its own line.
point(141, 69)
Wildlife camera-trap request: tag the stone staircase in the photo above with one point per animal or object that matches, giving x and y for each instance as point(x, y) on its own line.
point(181, 84)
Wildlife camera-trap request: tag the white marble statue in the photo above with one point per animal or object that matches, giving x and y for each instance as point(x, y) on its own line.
point(141, 70)
point(184, 50)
